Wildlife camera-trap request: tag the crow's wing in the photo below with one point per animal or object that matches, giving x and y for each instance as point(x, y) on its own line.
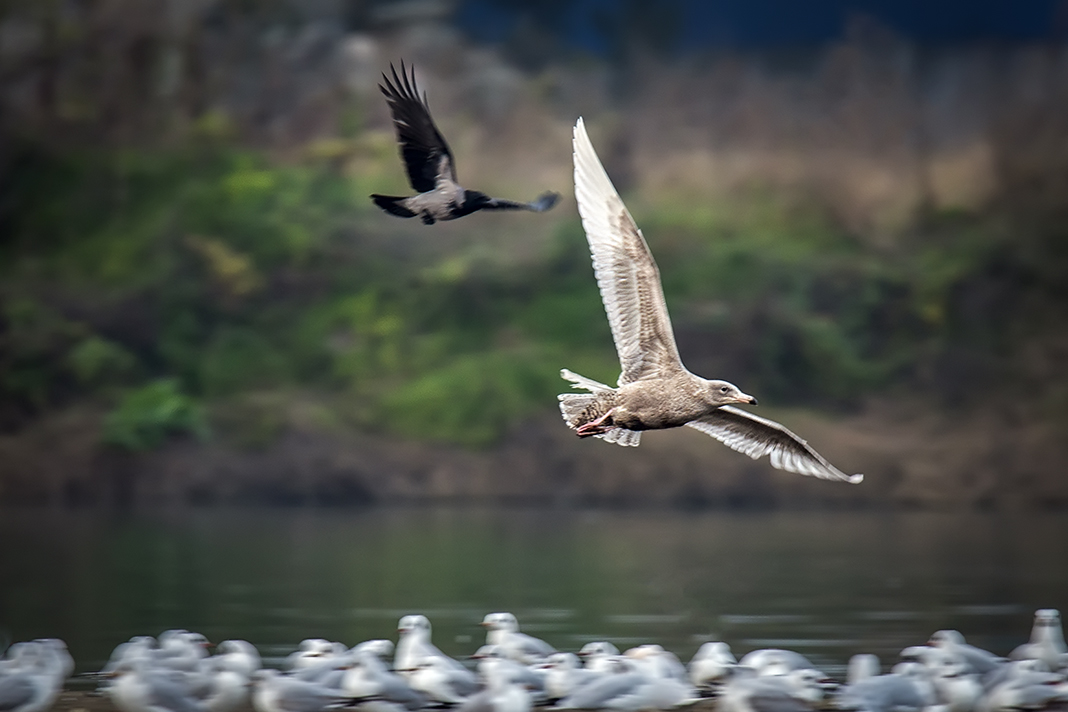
point(542, 203)
point(423, 148)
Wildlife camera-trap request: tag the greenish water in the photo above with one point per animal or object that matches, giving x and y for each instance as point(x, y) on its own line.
point(828, 584)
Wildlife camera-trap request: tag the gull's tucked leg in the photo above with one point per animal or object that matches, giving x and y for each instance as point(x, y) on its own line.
point(596, 427)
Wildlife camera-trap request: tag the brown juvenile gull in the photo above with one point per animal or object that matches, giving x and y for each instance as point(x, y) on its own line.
point(655, 390)
point(430, 166)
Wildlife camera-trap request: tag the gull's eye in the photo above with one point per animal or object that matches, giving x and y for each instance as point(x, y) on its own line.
point(724, 389)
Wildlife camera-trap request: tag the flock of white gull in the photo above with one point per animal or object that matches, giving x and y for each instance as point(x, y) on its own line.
point(515, 672)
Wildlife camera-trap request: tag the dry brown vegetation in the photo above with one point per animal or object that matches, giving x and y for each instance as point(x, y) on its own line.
point(948, 167)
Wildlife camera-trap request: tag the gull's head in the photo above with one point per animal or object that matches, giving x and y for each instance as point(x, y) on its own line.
point(946, 638)
point(597, 648)
point(861, 667)
point(315, 646)
point(501, 621)
point(568, 661)
point(197, 640)
point(415, 622)
point(719, 393)
point(1047, 618)
point(487, 652)
point(715, 650)
point(380, 647)
point(807, 684)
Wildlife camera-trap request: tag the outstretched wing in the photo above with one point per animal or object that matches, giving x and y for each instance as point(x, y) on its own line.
point(626, 272)
point(756, 437)
point(422, 145)
point(542, 203)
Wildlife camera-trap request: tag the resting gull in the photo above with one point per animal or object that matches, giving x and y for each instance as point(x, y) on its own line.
point(1047, 640)
point(654, 661)
point(884, 693)
point(274, 692)
point(979, 660)
point(655, 390)
point(629, 690)
point(798, 691)
point(502, 694)
point(711, 664)
point(239, 656)
point(600, 656)
point(502, 629)
point(416, 656)
point(32, 685)
point(775, 661)
point(369, 677)
point(957, 687)
point(565, 675)
point(141, 688)
point(1024, 688)
point(531, 677)
point(431, 168)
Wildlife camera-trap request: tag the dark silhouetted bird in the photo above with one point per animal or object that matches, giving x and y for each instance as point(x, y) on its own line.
point(430, 166)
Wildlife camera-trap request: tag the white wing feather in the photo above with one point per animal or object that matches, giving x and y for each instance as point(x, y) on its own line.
point(626, 272)
point(755, 436)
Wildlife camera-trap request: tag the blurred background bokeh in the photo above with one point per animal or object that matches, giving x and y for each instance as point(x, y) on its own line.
point(859, 211)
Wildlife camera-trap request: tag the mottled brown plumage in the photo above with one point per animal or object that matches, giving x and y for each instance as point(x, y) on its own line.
point(655, 390)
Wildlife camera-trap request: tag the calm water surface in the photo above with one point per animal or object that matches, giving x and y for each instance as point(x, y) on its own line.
point(826, 584)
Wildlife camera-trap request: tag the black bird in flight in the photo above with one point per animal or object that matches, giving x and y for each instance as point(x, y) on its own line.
point(430, 166)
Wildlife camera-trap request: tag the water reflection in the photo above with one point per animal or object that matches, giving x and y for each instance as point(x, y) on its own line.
point(826, 584)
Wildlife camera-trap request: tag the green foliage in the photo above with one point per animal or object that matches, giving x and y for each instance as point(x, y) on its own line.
point(97, 360)
point(217, 273)
point(33, 339)
point(148, 415)
point(474, 398)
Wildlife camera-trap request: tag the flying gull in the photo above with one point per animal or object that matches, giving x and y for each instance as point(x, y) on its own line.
point(430, 165)
point(655, 390)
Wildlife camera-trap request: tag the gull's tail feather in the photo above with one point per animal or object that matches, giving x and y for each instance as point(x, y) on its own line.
point(582, 382)
point(621, 436)
point(392, 204)
point(575, 407)
point(572, 406)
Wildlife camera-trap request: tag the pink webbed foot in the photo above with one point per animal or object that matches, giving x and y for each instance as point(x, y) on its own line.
point(595, 427)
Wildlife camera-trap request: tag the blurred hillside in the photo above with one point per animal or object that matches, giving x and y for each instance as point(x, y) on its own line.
point(194, 287)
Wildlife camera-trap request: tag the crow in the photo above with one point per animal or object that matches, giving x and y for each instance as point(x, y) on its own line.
point(430, 166)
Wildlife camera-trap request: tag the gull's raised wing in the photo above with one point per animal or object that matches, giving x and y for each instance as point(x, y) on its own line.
point(626, 272)
point(422, 145)
point(756, 437)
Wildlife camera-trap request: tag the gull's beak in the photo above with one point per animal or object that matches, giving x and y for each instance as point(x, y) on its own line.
point(748, 400)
